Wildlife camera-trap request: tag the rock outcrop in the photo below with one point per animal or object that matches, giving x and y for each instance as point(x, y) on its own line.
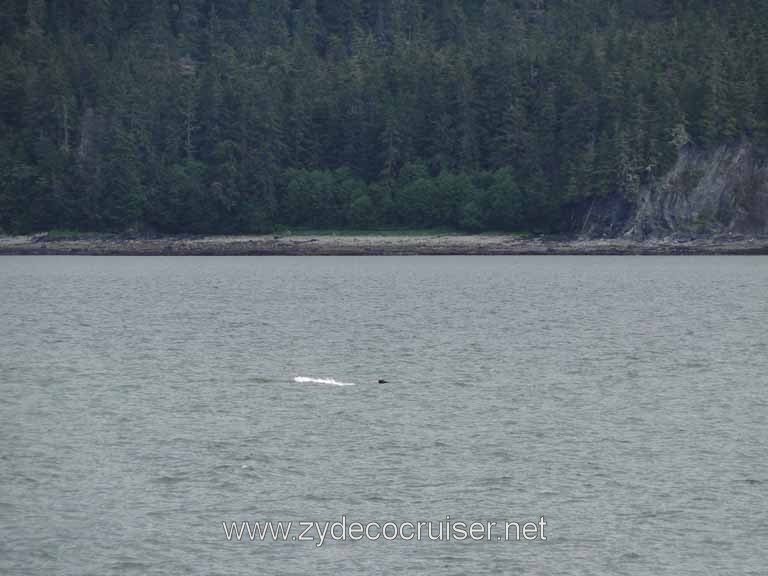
point(718, 191)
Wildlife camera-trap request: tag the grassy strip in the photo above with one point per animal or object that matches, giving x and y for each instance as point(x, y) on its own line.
point(385, 232)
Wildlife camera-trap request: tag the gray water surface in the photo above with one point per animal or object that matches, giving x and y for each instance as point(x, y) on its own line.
point(144, 401)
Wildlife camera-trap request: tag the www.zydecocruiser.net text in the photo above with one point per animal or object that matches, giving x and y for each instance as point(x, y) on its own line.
point(345, 531)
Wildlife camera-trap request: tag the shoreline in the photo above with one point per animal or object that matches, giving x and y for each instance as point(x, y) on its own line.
point(375, 245)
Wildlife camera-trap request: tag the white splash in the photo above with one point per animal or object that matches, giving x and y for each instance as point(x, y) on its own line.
point(305, 380)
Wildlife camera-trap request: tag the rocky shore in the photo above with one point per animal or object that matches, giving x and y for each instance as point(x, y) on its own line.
point(370, 245)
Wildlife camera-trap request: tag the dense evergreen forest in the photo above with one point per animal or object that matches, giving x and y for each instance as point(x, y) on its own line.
point(246, 115)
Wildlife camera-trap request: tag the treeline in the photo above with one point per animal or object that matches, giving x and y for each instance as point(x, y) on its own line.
point(243, 115)
point(483, 200)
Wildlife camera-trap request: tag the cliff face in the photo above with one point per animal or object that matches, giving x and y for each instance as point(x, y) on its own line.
point(724, 190)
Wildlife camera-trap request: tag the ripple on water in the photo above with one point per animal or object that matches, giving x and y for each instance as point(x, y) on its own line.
point(578, 389)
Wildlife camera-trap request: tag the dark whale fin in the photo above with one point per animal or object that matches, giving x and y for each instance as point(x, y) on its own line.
point(382, 381)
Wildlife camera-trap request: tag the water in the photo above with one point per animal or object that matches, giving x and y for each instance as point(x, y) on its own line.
point(144, 401)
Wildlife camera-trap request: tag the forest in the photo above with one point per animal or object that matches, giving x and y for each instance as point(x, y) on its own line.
point(248, 116)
